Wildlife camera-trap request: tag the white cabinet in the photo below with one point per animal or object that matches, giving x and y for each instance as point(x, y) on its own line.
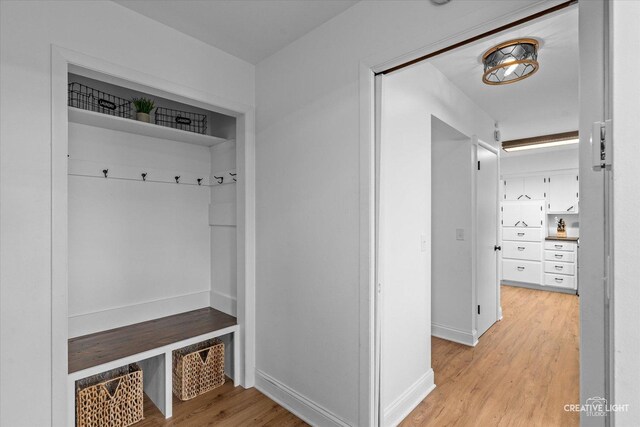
point(526, 188)
point(522, 235)
point(563, 193)
point(523, 214)
point(560, 265)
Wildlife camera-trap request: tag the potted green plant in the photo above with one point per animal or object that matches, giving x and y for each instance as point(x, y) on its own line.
point(144, 106)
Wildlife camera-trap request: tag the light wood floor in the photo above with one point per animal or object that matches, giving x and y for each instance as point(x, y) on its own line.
point(224, 406)
point(522, 372)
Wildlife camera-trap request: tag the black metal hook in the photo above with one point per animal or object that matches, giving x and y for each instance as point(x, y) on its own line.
point(105, 172)
point(177, 179)
point(199, 181)
point(233, 174)
point(144, 176)
point(219, 178)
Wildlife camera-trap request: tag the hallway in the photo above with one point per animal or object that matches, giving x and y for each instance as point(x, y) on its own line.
point(522, 372)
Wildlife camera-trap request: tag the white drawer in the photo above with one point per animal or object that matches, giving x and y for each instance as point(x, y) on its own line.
point(522, 234)
point(522, 271)
point(560, 281)
point(556, 245)
point(560, 256)
point(522, 250)
point(560, 267)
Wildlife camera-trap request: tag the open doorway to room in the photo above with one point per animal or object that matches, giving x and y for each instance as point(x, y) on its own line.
point(503, 168)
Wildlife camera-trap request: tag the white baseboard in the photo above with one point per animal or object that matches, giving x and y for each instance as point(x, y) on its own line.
point(455, 335)
point(225, 303)
point(407, 401)
point(88, 323)
point(296, 403)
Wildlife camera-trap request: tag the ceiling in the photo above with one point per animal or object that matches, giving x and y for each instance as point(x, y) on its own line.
point(544, 103)
point(249, 29)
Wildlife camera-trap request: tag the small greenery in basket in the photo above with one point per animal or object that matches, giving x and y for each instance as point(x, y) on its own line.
point(143, 107)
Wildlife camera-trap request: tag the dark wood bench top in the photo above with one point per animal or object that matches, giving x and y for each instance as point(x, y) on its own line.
point(102, 347)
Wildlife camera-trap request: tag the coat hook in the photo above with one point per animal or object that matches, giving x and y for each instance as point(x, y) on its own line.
point(219, 178)
point(144, 176)
point(177, 179)
point(199, 181)
point(105, 172)
point(233, 175)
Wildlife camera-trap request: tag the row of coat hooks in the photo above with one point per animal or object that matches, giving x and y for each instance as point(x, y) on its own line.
point(219, 179)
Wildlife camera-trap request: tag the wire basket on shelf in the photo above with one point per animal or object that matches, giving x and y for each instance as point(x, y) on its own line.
point(184, 120)
point(87, 98)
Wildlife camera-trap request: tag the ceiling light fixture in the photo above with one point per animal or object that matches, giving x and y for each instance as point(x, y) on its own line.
point(510, 61)
point(544, 141)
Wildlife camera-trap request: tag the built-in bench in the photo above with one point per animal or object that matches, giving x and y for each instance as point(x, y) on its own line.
point(150, 344)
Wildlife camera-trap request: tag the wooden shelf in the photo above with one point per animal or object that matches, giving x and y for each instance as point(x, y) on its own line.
point(92, 118)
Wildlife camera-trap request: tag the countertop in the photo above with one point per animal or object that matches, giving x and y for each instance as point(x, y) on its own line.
point(566, 239)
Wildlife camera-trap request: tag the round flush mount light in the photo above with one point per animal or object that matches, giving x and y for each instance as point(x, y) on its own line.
point(440, 2)
point(510, 61)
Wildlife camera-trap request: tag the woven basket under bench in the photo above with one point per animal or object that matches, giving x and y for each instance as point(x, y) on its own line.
point(198, 368)
point(110, 399)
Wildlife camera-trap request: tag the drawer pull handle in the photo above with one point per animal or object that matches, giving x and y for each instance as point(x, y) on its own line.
point(520, 268)
point(559, 256)
point(559, 246)
point(520, 234)
point(521, 248)
point(559, 280)
point(559, 267)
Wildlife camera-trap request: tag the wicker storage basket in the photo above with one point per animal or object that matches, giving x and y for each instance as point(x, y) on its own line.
point(198, 369)
point(110, 399)
point(88, 98)
point(183, 120)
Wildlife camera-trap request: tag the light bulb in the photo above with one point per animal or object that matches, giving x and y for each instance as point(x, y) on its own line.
point(510, 70)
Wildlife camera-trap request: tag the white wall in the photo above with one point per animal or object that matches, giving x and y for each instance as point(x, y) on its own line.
point(626, 205)
point(137, 251)
point(451, 272)
point(541, 160)
point(308, 193)
point(223, 231)
point(101, 29)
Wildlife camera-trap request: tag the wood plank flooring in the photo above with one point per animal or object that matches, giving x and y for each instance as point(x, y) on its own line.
point(523, 371)
point(225, 406)
point(102, 347)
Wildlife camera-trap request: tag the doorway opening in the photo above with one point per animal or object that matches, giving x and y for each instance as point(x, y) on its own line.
point(489, 221)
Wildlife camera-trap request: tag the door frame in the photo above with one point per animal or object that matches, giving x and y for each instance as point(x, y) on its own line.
point(61, 59)
point(479, 143)
point(370, 298)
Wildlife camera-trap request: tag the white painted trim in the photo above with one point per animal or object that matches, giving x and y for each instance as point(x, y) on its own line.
point(539, 287)
point(455, 335)
point(61, 60)
point(114, 317)
point(407, 401)
point(296, 403)
point(223, 302)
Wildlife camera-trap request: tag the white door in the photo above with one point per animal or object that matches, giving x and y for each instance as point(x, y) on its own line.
point(513, 189)
point(512, 214)
point(563, 193)
point(532, 214)
point(486, 239)
point(535, 188)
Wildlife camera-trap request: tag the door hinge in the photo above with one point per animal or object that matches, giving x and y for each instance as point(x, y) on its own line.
point(601, 145)
point(478, 308)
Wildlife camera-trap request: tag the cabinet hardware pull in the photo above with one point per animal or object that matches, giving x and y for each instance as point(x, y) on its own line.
point(521, 248)
point(558, 256)
point(558, 279)
point(520, 234)
point(559, 267)
point(558, 246)
point(520, 268)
